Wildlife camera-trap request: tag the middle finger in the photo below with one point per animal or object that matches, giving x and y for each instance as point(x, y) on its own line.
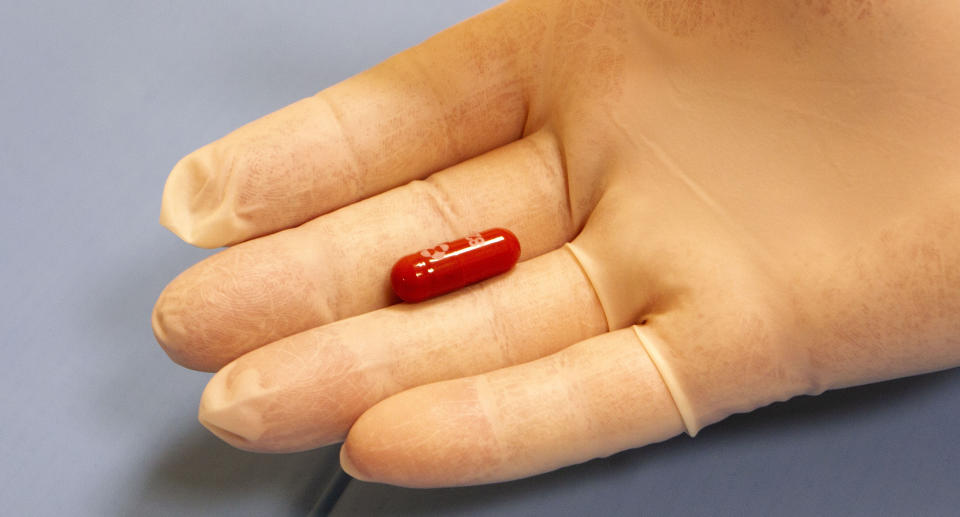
point(337, 265)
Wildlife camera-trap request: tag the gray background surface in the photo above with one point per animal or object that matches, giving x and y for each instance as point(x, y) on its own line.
point(99, 99)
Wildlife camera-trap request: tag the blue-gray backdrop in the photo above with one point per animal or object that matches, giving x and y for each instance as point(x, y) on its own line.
point(99, 99)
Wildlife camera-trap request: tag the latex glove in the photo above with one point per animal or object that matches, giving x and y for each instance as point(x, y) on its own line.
point(763, 201)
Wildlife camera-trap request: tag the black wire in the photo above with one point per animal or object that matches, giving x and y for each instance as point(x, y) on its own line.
point(331, 494)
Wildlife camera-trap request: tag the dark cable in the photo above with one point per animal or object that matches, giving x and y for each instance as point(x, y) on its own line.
point(330, 494)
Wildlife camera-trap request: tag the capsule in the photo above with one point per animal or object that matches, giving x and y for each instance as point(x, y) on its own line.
point(452, 265)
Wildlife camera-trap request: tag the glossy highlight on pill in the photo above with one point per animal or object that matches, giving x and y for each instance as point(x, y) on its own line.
point(452, 265)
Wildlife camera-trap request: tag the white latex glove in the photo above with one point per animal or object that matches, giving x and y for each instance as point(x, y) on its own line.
point(719, 207)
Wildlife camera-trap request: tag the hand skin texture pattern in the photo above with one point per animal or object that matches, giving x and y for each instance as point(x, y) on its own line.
point(721, 205)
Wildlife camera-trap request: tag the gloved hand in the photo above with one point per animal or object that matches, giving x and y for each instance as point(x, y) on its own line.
point(719, 207)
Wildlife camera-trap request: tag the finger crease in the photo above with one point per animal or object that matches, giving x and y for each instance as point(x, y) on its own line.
point(354, 166)
point(555, 162)
point(440, 204)
point(449, 117)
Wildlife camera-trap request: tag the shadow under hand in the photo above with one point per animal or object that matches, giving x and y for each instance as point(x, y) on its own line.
point(197, 474)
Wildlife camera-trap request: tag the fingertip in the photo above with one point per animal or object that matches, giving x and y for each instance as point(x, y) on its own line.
point(288, 396)
point(157, 324)
point(192, 204)
point(176, 212)
point(349, 467)
point(432, 436)
point(363, 455)
point(167, 335)
point(224, 409)
point(171, 325)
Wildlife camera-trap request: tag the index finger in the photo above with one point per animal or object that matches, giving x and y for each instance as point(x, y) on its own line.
point(459, 94)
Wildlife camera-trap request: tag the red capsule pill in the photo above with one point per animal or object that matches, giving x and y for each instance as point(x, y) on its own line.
point(452, 265)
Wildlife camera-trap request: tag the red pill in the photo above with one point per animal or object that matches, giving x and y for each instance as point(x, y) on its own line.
point(452, 265)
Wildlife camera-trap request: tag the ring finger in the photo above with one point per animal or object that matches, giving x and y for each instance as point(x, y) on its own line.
point(306, 390)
